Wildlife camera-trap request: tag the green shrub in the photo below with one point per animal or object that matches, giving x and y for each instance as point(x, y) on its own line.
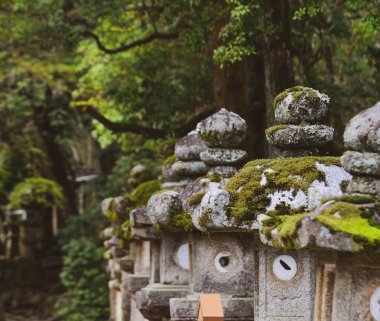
point(85, 280)
point(36, 191)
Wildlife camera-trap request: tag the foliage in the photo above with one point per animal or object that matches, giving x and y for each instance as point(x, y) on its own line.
point(86, 296)
point(36, 191)
point(83, 273)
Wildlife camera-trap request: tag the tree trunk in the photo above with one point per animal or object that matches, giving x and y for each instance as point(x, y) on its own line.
point(278, 66)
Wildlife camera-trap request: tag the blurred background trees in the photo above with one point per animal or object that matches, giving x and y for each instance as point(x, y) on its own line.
point(89, 89)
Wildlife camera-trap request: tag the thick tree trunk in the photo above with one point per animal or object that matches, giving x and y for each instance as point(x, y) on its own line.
point(277, 54)
point(60, 166)
point(239, 89)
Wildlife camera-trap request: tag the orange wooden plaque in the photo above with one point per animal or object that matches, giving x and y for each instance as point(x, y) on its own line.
point(210, 308)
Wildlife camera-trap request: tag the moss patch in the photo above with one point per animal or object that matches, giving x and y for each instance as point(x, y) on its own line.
point(286, 225)
point(196, 199)
point(271, 130)
point(352, 222)
point(170, 160)
point(298, 93)
point(183, 221)
point(249, 198)
point(203, 221)
point(143, 192)
point(354, 199)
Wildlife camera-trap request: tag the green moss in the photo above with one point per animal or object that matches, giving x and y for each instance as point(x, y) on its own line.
point(165, 147)
point(249, 198)
point(183, 220)
point(352, 222)
point(196, 198)
point(123, 231)
point(170, 160)
point(298, 93)
point(203, 221)
point(271, 130)
point(287, 227)
point(354, 199)
point(36, 191)
point(141, 194)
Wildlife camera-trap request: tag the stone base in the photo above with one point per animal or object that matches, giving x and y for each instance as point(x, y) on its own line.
point(133, 282)
point(235, 309)
point(153, 301)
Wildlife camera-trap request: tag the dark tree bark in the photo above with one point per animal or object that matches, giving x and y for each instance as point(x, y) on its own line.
point(60, 164)
point(278, 64)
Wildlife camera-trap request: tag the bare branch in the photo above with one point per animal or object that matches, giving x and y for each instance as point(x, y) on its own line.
point(140, 42)
point(119, 127)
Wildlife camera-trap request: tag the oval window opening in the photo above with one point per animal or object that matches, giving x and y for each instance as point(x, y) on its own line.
point(222, 261)
point(285, 267)
point(183, 256)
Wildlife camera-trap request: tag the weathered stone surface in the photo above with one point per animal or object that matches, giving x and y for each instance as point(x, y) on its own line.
point(235, 309)
point(364, 185)
point(286, 300)
point(161, 207)
point(139, 217)
point(357, 278)
point(106, 204)
point(299, 104)
point(222, 129)
point(175, 185)
point(191, 189)
point(362, 133)
point(223, 156)
point(294, 136)
point(312, 234)
point(126, 263)
point(361, 163)
point(223, 263)
point(213, 210)
point(153, 300)
point(169, 174)
point(174, 270)
point(189, 147)
point(222, 171)
point(191, 168)
point(144, 233)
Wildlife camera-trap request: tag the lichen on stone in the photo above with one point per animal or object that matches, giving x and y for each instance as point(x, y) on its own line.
point(288, 183)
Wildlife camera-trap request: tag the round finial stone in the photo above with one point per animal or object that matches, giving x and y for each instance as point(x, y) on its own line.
point(161, 207)
point(222, 129)
point(189, 147)
point(362, 132)
point(298, 104)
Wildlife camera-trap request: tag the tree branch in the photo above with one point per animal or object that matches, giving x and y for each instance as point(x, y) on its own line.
point(143, 41)
point(120, 127)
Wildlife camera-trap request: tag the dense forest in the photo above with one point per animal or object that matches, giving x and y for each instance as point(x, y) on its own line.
point(90, 89)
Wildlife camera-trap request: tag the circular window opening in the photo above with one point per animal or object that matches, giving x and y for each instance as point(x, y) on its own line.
point(183, 256)
point(375, 304)
point(222, 261)
point(285, 267)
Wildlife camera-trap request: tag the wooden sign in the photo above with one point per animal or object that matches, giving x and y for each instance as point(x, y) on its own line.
point(210, 308)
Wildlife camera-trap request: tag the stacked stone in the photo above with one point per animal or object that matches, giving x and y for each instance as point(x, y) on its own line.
point(298, 111)
point(362, 160)
point(223, 132)
point(187, 151)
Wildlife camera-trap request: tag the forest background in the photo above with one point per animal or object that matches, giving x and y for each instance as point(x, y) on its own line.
point(98, 87)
